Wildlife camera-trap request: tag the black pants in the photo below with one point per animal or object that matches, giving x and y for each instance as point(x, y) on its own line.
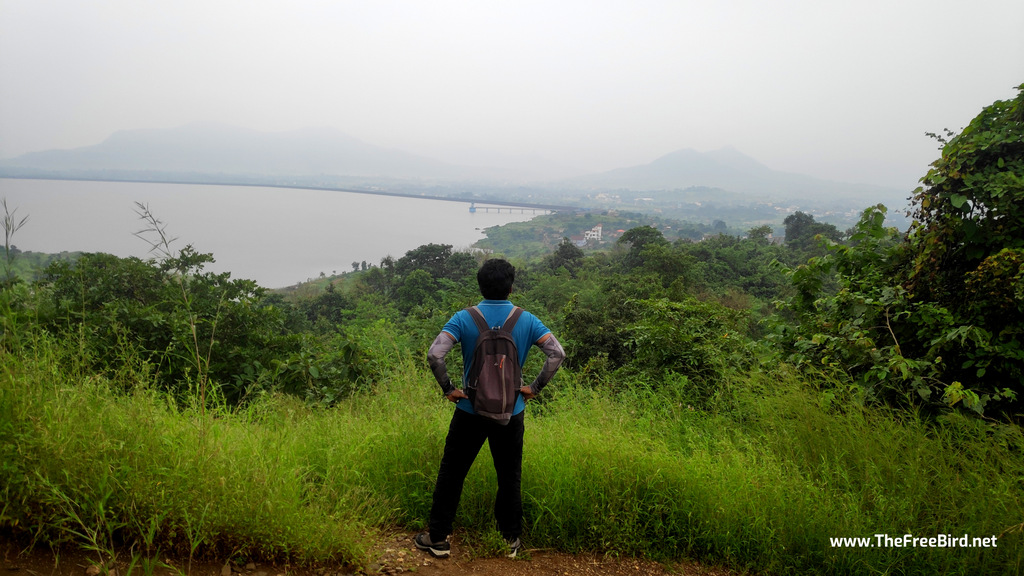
point(466, 436)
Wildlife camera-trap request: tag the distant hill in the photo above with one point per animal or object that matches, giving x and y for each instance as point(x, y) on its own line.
point(729, 169)
point(226, 154)
point(217, 148)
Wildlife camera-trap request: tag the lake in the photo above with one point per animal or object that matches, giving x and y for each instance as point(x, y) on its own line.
point(275, 236)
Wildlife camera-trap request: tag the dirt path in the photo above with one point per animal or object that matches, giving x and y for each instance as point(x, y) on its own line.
point(394, 555)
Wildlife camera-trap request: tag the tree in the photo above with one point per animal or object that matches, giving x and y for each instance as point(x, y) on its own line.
point(637, 239)
point(193, 325)
point(941, 311)
point(802, 231)
point(378, 280)
point(431, 258)
point(968, 246)
point(460, 266)
point(760, 233)
point(668, 263)
point(689, 338)
point(417, 288)
point(437, 260)
point(726, 263)
point(851, 313)
point(567, 255)
point(971, 208)
point(325, 308)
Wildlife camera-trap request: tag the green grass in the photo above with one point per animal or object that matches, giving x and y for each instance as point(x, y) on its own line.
point(760, 483)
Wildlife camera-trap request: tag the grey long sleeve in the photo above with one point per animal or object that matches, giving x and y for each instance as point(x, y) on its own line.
point(555, 355)
point(442, 345)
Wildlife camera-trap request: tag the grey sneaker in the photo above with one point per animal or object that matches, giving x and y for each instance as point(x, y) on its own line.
point(514, 547)
point(440, 549)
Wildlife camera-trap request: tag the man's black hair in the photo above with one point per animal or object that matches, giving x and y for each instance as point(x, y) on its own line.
point(495, 278)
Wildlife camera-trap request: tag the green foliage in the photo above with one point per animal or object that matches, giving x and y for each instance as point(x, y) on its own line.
point(322, 368)
point(669, 264)
point(597, 316)
point(971, 206)
point(802, 232)
point(857, 325)
point(672, 431)
point(595, 329)
point(116, 473)
point(438, 261)
point(567, 255)
point(11, 224)
point(414, 280)
point(698, 340)
point(325, 311)
point(637, 240)
point(892, 344)
point(538, 237)
point(761, 487)
point(760, 233)
point(417, 288)
point(968, 245)
point(937, 316)
point(723, 263)
point(188, 324)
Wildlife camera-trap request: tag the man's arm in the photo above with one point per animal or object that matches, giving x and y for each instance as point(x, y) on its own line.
point(555, 355)
point(442, 345)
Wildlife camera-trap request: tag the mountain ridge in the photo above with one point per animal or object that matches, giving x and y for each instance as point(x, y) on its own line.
point(222, 149)
point(728, 169)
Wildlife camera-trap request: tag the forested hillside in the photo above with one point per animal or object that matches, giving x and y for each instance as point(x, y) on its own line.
point(724, 398)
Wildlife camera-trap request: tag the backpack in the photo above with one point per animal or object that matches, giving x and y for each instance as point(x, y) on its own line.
point(495, 374)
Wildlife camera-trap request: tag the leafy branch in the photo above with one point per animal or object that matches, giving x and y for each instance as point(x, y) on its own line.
point(186, 260)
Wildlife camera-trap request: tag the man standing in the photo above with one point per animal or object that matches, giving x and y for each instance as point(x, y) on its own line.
point(468, 430)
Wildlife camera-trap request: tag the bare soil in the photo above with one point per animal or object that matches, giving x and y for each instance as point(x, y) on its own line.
point(394, 554)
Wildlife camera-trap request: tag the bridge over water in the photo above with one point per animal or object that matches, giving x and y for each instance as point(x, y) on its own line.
point(508, 208)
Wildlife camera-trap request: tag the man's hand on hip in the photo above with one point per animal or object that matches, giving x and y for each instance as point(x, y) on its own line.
point(456, 395)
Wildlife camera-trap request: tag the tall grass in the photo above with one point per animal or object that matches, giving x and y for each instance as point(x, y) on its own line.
point(765, 485)
point(121, 471)
point(762, 483)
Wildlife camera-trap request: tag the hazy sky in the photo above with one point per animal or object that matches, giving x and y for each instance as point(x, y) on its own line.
point(836, 89)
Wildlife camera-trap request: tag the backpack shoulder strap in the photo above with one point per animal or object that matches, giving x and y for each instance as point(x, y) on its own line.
point(481, 323)
point(510, 322)
point(478, 317)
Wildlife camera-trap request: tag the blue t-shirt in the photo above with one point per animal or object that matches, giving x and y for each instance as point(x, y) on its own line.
point(527, 331)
